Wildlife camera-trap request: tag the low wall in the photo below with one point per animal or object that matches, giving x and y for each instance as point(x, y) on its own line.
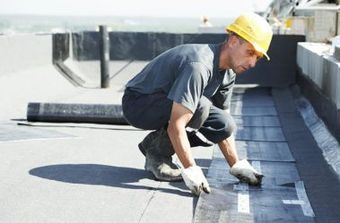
point(279, 72)
point(319, 80)
point(21, 52)
point(27, 51)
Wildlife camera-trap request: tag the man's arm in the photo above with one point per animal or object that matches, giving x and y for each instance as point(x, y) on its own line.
point(239, 168)
point(180, 116)
point(227, 147)
point(192, 174)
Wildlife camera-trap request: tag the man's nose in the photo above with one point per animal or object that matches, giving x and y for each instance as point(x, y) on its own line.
point(253, 61)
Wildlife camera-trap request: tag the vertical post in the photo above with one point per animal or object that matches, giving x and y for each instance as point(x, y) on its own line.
point(337, 23)
point(104, 53)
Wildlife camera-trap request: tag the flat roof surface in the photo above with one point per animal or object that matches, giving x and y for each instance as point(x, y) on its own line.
point(69, 172)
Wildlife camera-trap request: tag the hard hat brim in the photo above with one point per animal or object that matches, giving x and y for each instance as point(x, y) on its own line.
point(260, 50)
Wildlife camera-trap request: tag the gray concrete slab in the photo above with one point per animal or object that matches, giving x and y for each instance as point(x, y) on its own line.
point(42, 83)
point(96, 176)
point(9, 132)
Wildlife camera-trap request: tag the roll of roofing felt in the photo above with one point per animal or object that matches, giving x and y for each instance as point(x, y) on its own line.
point(89, 113)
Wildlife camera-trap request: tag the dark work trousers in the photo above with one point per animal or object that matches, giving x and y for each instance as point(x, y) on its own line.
point(152, 112)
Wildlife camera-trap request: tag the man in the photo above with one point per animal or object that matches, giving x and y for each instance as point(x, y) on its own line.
point(184, 94)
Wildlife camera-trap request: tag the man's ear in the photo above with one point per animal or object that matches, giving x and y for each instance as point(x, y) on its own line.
point(233, 41)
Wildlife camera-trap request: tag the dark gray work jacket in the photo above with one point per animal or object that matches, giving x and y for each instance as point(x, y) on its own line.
point(186, 73)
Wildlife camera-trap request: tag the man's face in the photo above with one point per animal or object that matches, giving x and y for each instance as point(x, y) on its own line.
point(244, 55)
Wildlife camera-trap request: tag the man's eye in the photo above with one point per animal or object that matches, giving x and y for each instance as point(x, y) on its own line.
point(251, 53)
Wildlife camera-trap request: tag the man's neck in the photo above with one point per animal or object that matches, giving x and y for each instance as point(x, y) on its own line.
point(224, 58)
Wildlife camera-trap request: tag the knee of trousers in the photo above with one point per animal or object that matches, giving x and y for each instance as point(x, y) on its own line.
point(221, 130)
point(201, 113)
point(229, 127)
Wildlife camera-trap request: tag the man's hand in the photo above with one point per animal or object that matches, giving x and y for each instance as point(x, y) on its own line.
point(246, 173)
point(195, 180)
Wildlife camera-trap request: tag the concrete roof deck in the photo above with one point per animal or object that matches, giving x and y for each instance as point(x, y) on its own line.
point(94, 173)
point(78, 172)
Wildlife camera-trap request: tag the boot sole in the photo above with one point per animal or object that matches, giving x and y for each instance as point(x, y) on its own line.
point(166, 179)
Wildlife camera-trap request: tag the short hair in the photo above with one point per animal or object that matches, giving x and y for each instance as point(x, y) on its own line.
point(242, 40)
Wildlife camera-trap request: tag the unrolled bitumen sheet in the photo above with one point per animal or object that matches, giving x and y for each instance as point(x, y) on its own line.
point(260, 139)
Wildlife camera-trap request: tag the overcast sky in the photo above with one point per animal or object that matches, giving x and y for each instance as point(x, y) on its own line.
point(167, 8)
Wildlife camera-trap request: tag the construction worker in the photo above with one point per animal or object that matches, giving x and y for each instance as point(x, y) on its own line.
point(184, 94)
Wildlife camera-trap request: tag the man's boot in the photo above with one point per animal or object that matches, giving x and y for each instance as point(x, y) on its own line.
point(158, 150)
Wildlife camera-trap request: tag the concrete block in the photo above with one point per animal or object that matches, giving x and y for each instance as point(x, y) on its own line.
point(318, 64)
point(300, 59)
point(310, 60)
point(324, 26)
point(299, 25)
point(331, 86)
point(338, 24)
point(336, 53)
point(316, 68)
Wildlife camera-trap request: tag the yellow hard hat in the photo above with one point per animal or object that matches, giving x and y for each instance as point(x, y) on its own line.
point(255, 29)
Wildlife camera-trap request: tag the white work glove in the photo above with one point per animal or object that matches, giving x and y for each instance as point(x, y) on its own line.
point(246, 173)
point(195, 180)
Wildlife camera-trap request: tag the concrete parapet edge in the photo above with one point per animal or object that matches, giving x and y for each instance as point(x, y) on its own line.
point(317, 64)
point(324, 107)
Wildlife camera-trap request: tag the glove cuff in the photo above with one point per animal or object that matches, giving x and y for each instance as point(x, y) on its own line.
point(241, 164)
point(191, 169)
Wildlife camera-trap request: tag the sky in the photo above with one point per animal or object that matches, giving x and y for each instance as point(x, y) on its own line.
point(153, 8)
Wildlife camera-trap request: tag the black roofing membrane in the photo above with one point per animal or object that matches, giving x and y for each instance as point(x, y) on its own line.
point(256, 121)
point(297, 187)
